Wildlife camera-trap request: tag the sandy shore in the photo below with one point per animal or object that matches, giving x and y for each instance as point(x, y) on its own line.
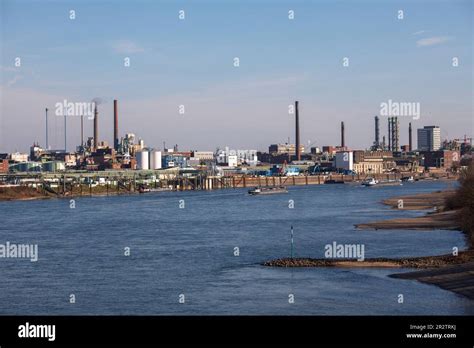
point(445, 220)
point(411, 262)
point(454, 273)
point(420, 201)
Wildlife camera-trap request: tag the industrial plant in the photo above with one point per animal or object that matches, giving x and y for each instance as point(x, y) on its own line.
point(129, 160)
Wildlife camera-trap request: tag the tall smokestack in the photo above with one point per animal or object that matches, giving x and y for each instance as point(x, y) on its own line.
point(395, 134)
point(96, 128)
point(343, 143)
point(82, 130)
point(410, 143)
point(297, 129)
point(392, 136)
point(383, 143)
point(389, 134)
point(377, 132)
point(47, 144)
point(116, 140)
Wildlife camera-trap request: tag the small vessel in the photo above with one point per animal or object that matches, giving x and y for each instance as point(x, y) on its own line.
point(143, 189)
point(268, 190)
point(408, 179)
point(369, 182)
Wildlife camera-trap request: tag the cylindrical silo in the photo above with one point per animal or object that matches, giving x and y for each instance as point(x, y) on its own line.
point(155, 159)
point(142, 159)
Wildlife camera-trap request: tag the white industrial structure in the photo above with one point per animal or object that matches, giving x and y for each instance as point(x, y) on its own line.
point(155, 159)
point(148, 159)
point(243, 157)
point(19, 157)
point(143, 159)
point(232, 161)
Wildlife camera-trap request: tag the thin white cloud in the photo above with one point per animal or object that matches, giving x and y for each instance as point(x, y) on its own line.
point(126, 47)
point(431, 41)
point(419, 32)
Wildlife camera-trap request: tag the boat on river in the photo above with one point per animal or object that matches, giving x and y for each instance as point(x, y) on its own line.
point(268, 190)
point(144, 189)
point(369, 182)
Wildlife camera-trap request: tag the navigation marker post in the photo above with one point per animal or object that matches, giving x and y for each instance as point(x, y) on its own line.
point(291, 242)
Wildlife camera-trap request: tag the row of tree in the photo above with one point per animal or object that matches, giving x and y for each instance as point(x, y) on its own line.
point(463, 201)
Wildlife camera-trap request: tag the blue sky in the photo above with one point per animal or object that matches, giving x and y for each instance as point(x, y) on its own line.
point(190, 62)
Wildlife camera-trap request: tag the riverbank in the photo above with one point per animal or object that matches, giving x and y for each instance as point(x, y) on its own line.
point(446, 220)
point(22, 193)
point(457, 278)
point(421, 201)
point(437, 219)
point(129, 181)
point(450, 272)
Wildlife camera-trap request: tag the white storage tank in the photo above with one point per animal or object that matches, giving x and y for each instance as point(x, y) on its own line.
point(142, 159)
point(155, 159)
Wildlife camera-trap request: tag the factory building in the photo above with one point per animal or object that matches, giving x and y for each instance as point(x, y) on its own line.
point(4, 166)
point(405, 148)
point(19, 157)
point(203, 155)
point(54, 166)
point(369, 167)
point(440, 159)
point(247, 157)
point(232, 161)
point(174, 160)
point(26, 167)
point(373, 162)
point(330, 150)
point(226, 156)
point(284, 149)
point(361, 155)
point(344, 160)
point(36, 152)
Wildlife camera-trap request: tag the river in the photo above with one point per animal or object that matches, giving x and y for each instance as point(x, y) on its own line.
point(183, 259)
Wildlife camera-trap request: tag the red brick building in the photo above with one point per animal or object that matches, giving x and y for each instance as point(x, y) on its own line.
point(441, 158)
point(3, 166)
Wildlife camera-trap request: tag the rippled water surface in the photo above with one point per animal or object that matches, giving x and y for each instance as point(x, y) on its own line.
point(190, 251)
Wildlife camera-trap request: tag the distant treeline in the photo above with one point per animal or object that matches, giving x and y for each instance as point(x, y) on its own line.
point(463, 200)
